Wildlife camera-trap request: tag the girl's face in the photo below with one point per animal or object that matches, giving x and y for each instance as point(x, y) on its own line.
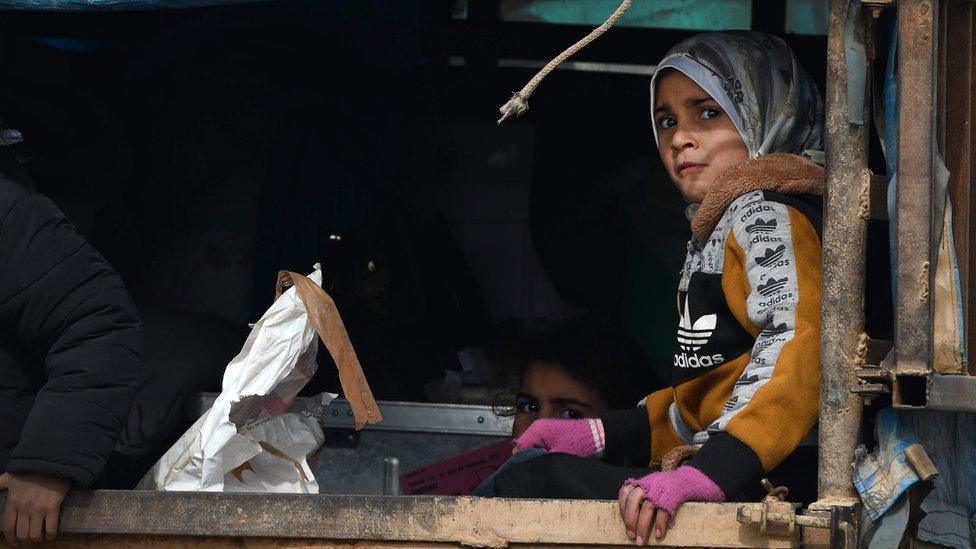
point(696, 138)
point(549, 390)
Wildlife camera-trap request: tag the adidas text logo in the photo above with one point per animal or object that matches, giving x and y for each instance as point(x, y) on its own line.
point(772, 286)
point(753, 211)
point(684, 360)
point(776, 300)
point(764, 344)
point(771, 256)
point(761, 226)
point(764, 238)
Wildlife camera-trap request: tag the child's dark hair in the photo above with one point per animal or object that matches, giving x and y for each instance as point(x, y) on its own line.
point(595, 354)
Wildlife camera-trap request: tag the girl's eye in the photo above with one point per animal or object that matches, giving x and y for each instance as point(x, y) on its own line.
point(710, 113)
point(569, 413)
point(526, 407)
point(666, 122)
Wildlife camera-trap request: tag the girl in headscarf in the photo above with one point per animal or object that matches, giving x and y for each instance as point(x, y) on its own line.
point(737, 122)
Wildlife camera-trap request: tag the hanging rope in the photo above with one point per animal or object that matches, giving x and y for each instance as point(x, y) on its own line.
point(519, 103)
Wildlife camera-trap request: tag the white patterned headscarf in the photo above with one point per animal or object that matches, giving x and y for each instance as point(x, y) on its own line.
point(757, 80)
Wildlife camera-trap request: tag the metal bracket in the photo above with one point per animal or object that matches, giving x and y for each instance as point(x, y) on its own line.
point(872, 383)
point(930, 391)
point(776, 516)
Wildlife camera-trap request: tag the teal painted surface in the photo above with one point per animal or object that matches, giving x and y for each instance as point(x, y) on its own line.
point(669, 14)
point(806, 17)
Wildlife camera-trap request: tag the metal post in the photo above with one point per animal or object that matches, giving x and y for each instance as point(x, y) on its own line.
point(844, 238)
point(913, 250)
point(391, 476)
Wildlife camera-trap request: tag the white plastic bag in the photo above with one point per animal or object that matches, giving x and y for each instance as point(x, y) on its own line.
point(286, 440)
point(246, 441)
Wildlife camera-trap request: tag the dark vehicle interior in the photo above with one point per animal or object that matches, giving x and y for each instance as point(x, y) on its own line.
point(202, 149)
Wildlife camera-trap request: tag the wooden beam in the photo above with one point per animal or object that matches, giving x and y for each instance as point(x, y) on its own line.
point(153, 519)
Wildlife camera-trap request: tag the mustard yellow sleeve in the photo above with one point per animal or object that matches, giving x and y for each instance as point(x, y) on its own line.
point(773, 283)
point(663, 437)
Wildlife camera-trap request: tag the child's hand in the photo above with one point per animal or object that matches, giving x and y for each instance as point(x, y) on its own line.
point(580, 437)
point(656, 497)
point(33, 506)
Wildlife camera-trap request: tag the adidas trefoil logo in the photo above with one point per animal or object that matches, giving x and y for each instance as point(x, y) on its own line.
point(692, 337)
point(748, 380)
point(772, 286)
point(730, 405)
point(771, 255)
point(761, 226)
point(775, 329)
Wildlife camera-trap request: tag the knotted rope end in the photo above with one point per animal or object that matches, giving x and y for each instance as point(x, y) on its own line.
point(515, 106)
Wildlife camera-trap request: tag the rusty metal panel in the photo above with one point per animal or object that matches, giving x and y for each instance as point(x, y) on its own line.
point(372, 519)
point(913, 250)
point(960, 92)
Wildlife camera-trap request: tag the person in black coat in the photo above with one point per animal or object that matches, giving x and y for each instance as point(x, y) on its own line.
point(70, 344)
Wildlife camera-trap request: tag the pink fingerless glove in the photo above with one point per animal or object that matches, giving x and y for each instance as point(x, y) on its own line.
point(580, 437)
point(669, 489)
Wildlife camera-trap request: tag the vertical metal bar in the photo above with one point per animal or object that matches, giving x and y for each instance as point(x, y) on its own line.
point(391, 476)
point(844, 238)
point(913, 250)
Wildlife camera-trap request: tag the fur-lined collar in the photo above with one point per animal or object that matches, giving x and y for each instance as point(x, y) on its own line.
point(779, 172)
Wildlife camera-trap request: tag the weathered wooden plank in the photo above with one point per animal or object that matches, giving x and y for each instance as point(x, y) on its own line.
point(151, 519)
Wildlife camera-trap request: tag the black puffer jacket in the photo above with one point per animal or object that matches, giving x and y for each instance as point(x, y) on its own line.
point(70, 342)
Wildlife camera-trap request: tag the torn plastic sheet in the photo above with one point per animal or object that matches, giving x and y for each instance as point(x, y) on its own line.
point(949, 440)
point(286, 441)
point(883, 476)
point(246, 441)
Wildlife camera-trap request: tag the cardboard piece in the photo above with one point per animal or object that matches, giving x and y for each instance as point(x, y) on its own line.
point(459, 475)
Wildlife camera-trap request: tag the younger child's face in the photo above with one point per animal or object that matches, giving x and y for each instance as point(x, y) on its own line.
point(696, 138)
point(548, 390)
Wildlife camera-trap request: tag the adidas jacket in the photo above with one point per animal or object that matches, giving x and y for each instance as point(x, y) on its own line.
point(745, 378)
